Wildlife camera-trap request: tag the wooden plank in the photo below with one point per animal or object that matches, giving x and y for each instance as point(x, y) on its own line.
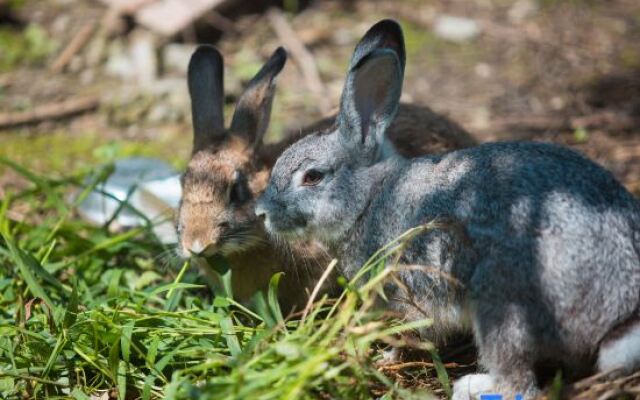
point(169, 17)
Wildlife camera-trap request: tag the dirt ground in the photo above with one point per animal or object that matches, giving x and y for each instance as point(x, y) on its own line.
point(561, 71)
point(548, 70)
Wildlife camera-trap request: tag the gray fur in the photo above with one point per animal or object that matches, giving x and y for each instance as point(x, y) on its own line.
point(544, 244)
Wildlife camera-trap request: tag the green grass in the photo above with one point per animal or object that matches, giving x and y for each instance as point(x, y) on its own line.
point(60, 151)
point(84, 312)
point(27, 47)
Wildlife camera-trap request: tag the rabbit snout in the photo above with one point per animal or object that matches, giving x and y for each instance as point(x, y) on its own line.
point(203, 238)
point(278, 218)
point(200, 238)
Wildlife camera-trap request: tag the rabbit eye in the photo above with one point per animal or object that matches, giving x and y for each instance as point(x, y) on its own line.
point(239, 192)
point(312, 177)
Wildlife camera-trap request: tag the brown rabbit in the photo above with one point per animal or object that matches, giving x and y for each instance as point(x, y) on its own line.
point(229, 170)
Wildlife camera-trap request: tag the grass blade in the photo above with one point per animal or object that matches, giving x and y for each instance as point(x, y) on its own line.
point(25, 269)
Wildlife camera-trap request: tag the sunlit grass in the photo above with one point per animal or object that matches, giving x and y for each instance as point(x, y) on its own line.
point(84, 312)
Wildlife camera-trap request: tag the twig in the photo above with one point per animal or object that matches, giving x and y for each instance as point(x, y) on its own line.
point(301, 55)
point(51, 111)
point(415, 364)
point(411, 364)
point(316, 289)
point(76, 44)
point(220, 22)
point(604, 385)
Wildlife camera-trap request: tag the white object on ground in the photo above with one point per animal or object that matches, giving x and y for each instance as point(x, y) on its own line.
point(456, 29)
point(149, 186)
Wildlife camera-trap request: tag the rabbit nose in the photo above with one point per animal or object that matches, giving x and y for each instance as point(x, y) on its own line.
point(196, 248)
point(261, 213)
point(199, 249)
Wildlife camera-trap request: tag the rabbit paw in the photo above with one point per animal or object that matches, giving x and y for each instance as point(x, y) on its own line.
point(471, 386)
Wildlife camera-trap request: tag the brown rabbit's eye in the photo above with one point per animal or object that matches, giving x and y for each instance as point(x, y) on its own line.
point(239, 191)
point(312, 177)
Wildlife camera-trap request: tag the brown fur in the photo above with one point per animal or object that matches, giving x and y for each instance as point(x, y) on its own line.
point(204, 204)
point(210, 223)
point(416, 131)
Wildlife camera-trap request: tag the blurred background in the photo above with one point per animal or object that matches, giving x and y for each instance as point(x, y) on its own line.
point(84, 82)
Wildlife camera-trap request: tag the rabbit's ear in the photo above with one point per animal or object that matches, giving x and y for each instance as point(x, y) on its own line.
point(205, 76)
point(253, 111)
point(386, 34)
point(373, 86)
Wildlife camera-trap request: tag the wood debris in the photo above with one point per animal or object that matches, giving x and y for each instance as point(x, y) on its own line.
point(48, 112)
point(76, 44)
point(166, 17)
point(302, 57)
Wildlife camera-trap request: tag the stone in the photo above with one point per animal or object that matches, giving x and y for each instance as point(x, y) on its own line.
point(456, 29)
point(521, 10)
point(176, 56)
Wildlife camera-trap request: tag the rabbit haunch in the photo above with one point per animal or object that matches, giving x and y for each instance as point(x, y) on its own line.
point(540, 247)
point(229, 168)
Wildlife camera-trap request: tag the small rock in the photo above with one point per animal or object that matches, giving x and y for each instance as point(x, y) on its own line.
point(87, 76)
point(342, 36)
point(521, 10)
point(172, 101)
point(169, 86)
point(481, 118)
point(175, 57)
point(535, 105)
point(483, 70)
point(406, 97)
point(159, 113)
point(164, 112)
point(61, 24)
point(143, 56)
point(135, 63)
point(557, 103)
point(118, 63)
point(456, 29)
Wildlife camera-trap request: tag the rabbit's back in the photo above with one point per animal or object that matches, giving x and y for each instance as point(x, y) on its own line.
point(534, 225)
point(524, 188)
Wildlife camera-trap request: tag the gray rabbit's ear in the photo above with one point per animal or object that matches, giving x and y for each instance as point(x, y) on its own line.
point(385, 34)
point(205, 78)
point(372, 89)
point(253, 112)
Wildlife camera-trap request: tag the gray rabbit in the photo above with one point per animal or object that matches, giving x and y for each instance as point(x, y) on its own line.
point(542, 245)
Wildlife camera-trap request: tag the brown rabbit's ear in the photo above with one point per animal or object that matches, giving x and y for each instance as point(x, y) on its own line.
point(206, 89)
point(253, 111)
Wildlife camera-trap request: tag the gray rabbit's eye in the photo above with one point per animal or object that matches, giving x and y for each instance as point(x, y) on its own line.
point(312, 177)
